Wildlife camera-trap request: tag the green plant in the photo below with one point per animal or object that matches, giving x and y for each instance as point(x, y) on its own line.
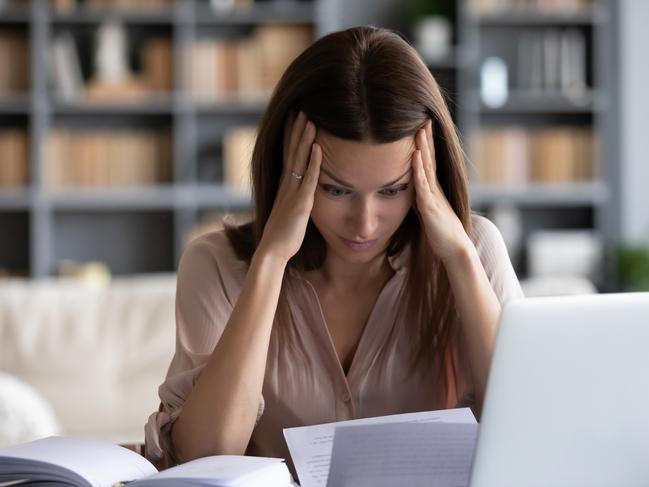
point(416, 9)
point(633, 267)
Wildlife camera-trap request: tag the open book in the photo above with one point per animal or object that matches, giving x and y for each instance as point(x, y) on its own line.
point(87, 463)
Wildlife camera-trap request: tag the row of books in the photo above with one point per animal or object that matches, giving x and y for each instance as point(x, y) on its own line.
point(552, 60)
point(244, 68)
point(101, 158)
point(118, 158)
point(156, 73)
point(487, 7)
point(14, 62)
point(64, 6)
point(14, 158)
point(238, 145)
point(515, 156)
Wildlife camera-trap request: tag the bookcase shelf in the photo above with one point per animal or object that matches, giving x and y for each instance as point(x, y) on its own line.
point(545, 195)
point(86, 16)
point(289, 11)
point(542, 103)
point(144, 229)
point(15, 199)
point(597, 14)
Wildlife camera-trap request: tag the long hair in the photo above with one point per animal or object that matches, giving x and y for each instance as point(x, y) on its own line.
point(366, 84)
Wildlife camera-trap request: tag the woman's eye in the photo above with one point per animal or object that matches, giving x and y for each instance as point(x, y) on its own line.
point(333, 190)
point(390, 192)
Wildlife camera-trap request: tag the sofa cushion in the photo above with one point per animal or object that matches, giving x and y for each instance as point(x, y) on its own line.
point(97, 353)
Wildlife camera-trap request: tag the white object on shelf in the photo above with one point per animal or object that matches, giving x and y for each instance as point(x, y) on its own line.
point(111, 58)
point(565, 253)
point(494, 82)
point(432, 37)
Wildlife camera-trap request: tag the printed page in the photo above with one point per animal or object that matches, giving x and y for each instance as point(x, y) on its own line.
point(79, 461)
point(416, 455)
point(311, 446)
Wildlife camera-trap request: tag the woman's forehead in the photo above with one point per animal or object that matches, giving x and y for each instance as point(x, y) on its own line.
point(362, 161)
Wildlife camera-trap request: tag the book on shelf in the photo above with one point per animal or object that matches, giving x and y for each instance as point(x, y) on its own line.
point(65, 67)
point(315, 451)
point(552, 61)
point(157, 64)
point(100, 158)
point(238, 144)
point(514, 156)
point(88, 463)
point(14, 53)
point(14, 158)
point(245, 68)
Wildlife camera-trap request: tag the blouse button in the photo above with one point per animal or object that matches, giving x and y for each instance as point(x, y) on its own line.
point(346, 397)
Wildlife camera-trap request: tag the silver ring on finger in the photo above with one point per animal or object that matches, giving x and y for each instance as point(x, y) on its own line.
point(296, 175)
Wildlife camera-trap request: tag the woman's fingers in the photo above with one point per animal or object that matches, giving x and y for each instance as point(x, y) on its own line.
point(422, 187)
point(303, 149)
point(431, 144)
point(424, 154)
point(295, 131)
point(312, 173)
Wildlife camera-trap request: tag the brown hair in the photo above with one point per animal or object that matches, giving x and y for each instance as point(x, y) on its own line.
point(367, 84)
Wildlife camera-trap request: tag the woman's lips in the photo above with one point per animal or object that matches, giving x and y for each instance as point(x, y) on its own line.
point(358, 246)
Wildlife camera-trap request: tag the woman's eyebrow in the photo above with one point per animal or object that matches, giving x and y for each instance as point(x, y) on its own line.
point(348, 185)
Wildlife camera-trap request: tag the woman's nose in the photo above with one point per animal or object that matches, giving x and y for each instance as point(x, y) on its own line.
point(364, 219)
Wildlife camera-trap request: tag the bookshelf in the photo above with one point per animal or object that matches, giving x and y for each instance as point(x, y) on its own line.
point(138, 224)
point(143, 228)
point(562, 103)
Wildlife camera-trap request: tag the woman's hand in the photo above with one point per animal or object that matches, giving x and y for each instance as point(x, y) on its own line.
point(443, 228)
point(286, 225)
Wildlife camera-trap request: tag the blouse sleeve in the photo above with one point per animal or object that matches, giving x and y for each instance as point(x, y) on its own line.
point(208, 283)
point(500, 272)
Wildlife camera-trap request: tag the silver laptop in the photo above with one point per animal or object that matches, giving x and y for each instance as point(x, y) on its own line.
point(567, 400)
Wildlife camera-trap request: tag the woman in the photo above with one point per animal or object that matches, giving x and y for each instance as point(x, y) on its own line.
point(363, 287)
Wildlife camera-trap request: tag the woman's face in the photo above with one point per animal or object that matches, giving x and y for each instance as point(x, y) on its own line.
point(364, 192)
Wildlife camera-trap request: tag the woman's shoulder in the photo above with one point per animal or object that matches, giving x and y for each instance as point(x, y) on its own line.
point(212, 252)
point(486, 235)
point(494, 257)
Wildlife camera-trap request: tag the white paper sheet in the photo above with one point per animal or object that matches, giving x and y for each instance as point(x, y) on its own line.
point(311, 446)
point(416, 455)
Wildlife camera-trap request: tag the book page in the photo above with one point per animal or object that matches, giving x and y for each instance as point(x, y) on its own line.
point(82, 462)
point(223, 471)
point(416, 455)
point(311, 446)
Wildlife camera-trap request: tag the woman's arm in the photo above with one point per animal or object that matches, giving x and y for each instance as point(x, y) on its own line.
point(219, 414)
point(476, 302)
point(479, 311)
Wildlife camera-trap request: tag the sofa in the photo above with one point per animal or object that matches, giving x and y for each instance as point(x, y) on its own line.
point(83, 358)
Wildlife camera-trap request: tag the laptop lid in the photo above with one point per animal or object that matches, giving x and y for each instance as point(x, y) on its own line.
point(567, 401)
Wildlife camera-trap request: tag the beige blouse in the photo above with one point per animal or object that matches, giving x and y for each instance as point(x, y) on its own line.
point(305, 384)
